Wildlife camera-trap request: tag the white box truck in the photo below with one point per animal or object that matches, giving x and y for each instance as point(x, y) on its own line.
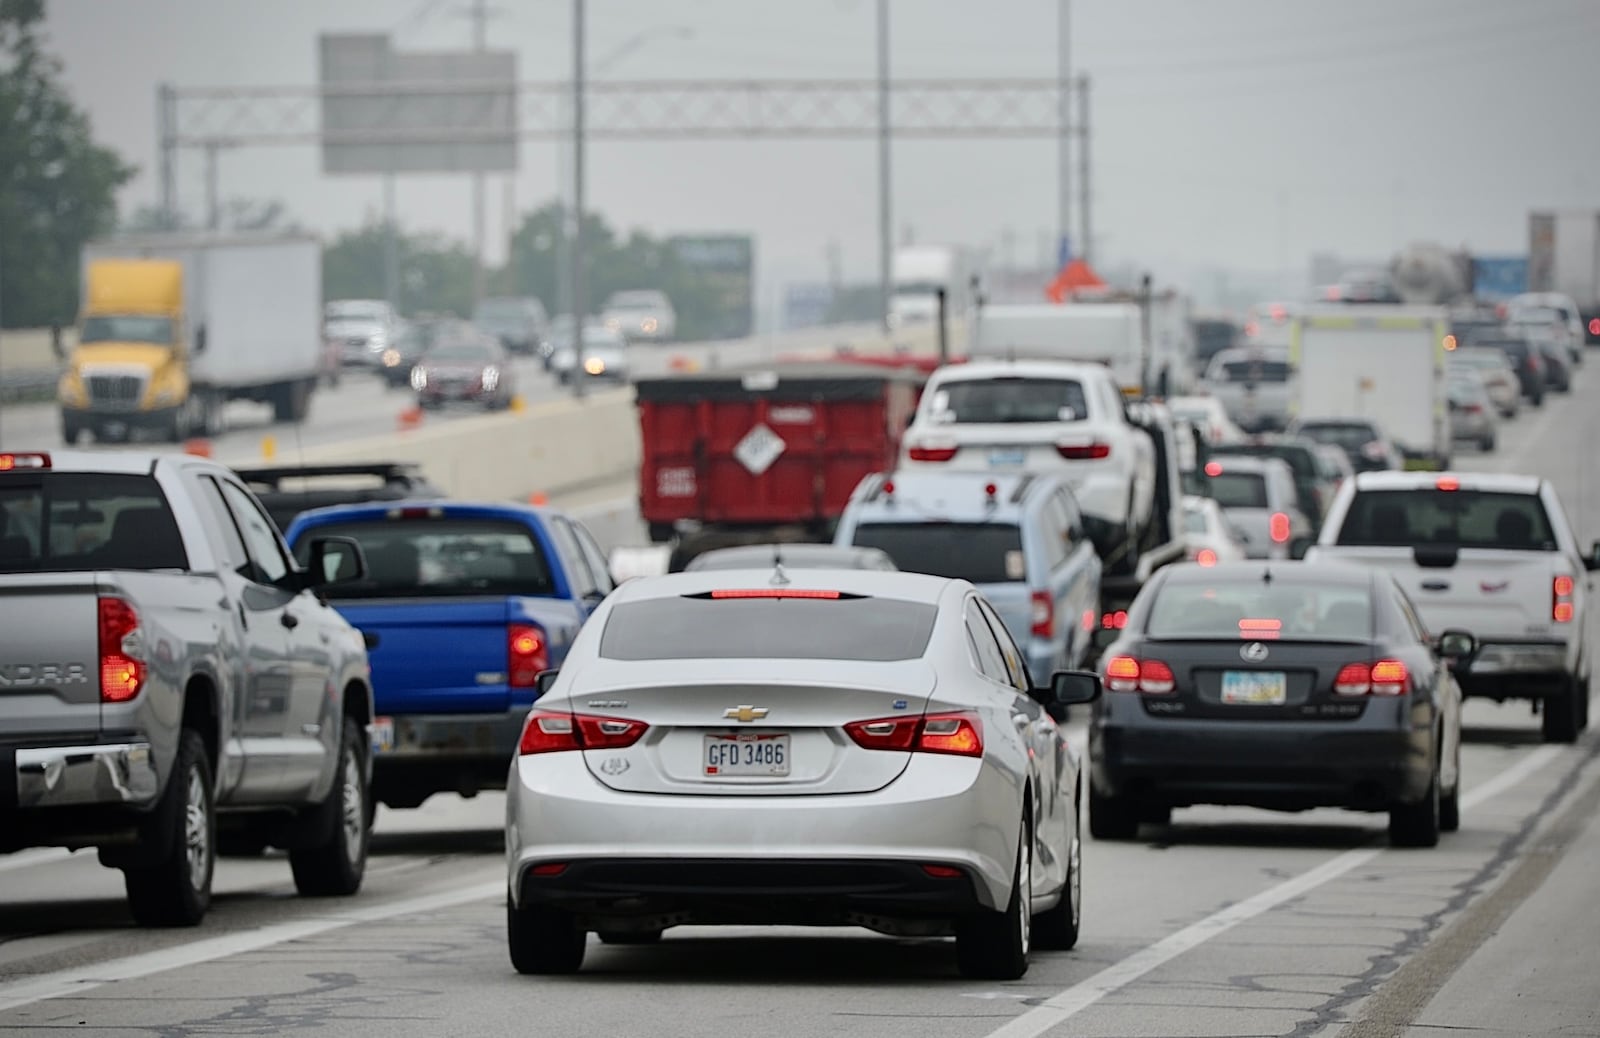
point(1094, 333)
point(1564, 257)
point(919, 272)
point(173, 326)
point(1384, 363)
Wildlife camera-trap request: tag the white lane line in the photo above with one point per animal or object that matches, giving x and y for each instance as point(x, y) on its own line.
point(1113, 978)
point(66, 983)
point(30, 859)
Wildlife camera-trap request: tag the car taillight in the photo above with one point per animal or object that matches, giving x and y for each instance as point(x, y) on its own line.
point(1382, 678)
point(549, 731)
point(1561, 606)
point(957, 734)
point(1084, 451)
point(1044, 615)
point(1206, 557)
point(121, 676)
point(1131, 674)
point(527, 654)
point(926, 453)
point(1279, 526)
point(1114, 621)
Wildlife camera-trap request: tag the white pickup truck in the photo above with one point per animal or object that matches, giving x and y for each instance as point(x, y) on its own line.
point(1491, 554)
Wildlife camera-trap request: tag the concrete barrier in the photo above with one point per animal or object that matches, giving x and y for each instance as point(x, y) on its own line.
point(28, 349)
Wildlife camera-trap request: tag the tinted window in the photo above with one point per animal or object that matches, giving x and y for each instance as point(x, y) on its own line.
point(1299, 459)
point(582, 580)
point(1194, 520)
point(1462, 518)
point(259, 533)
point(462, 351)
point(984, 553)
point(691, 627)
point(1239, 489)
point(989, 661)
point(412, 557)
point(1012, 400)
point(127, 329)
point(1016, 670)
point(1351, 436)
point(1256, 371)
point(72, 521)
point(1253, 610)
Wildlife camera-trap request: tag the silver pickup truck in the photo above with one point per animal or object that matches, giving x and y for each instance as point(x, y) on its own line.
point(171, 679)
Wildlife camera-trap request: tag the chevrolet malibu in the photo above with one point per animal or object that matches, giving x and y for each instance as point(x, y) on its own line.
point(813, 747)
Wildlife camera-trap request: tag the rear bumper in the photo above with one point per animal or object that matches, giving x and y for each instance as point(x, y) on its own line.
point(1283, 765)
point(80, 776)
point(432, 753)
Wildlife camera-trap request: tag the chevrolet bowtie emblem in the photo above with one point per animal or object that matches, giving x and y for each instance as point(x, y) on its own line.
point(745, 713)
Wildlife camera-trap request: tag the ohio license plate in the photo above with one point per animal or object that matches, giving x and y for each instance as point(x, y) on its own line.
point(1254, 687)
point(382, 734)
point(746, 753)
point(1009, 456)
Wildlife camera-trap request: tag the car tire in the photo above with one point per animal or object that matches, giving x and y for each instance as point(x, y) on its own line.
point(629, 936)
point(1450, 803)
point(994, 945)
point(176, 891)
point(1559, 715)
point(1417, 825)
point(1112, 817)
point(1057, 928)
point(543, 940)
point(335, 865)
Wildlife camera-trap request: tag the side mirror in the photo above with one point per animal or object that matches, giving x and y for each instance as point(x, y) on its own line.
point(544, 681)
point(200, 339)
point(335, 560)
point(1074, 687)
point(1593, 561)
point(1456, 646)
point(55, 342)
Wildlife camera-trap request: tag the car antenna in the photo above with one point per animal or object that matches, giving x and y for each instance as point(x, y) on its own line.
point(1266, 574)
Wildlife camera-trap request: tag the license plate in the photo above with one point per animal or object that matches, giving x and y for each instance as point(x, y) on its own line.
point(382, 734)
point(1008, 457)
point(1254, 687)
point(746, 753)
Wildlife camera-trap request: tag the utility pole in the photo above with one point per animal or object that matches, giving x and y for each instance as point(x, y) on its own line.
point(885, 231)
point(166, 130)
point(577, 272)
point(391, 244)
point(1087, 249)
point(479, 13)
point(213, 206)
point(1064, 138)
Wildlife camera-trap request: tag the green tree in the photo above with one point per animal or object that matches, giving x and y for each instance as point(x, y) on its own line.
point(57, 186)
point(435, 272)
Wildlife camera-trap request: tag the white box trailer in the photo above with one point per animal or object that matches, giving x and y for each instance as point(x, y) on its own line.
point(1094, 333)
point(1384, 363)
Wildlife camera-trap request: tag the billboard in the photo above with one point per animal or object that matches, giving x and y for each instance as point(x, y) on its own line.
point(1499, 277)
point(725, 263)
point(421, 112)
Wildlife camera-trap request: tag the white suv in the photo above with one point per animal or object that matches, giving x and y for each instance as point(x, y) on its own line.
point(1492, 554)
point(1044, 415)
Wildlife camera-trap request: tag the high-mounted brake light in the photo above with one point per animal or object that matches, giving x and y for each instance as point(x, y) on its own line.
point(1278, 525)
point(1206, 557)
point(1562, 609)
point(121, 675)
point(1213, 468)
point(956, 734)
point(773, 592)
point(1131, 674)
point(527, 652)
point(925, 452)
point(549, 731)
point(1382, 678)
point(1044, 615)
point(1114, 621)
point(1084, 451)
point(416, 512)
point(30, 462)
point(1261, 628)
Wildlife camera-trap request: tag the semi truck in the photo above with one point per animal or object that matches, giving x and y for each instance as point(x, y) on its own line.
point(1564, 257)
point(174, 326)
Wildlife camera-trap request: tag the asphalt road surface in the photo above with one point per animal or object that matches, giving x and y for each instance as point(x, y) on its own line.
point(1229, 922)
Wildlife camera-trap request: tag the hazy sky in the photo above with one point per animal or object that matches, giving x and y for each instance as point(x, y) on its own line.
point(1238, 133)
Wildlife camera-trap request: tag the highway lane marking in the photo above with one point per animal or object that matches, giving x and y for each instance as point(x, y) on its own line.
point(67, 983)
point(1074, 1000)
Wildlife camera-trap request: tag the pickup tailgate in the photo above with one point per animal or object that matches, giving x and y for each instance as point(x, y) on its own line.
point(449, 655)
point(1490, 592)
point(49, 655)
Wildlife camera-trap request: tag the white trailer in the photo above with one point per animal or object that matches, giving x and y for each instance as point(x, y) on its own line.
point(1094, 333)
point(1384, 363)
point(919, 272)
point(1564, 257)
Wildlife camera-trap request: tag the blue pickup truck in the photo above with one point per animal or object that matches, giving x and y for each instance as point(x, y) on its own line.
point(467, 603)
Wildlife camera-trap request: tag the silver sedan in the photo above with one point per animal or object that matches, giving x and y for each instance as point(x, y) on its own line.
point(810, 747)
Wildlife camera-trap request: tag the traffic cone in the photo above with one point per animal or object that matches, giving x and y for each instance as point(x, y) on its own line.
point(198, 447)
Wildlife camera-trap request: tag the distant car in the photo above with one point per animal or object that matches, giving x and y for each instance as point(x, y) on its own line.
point(641, 316)
point(1472, 413)
point(1258, 497)
point(1253, 385)
point(1336, 466)
point(834, 748)
point(1207, 535)
point(1494, 367)
point(1313, 491)
point(791, 556)
point(1525, 360)
point(287, 491)
point(1548, 340)
point(470, 368)
point(1207, 414)
point(1366, 286)
point(1284, 686)
point(412, 342)
point(361, 328)
point(1551, 308)
point(605, 356)
point(519, 323)
point(1362, 441)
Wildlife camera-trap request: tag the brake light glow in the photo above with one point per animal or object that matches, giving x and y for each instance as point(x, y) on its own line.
point(1562, 609)
point(1447, 483)
point(955, 734)
point(1084, 451)
point(1382, 678)
point(1115, 621)
point(773, 592)
point(1088, 619)
point(1213, 468)
point(548, 731)
point(1131, 674)
point(527, 653)
point(926, 453)
point(989, 490)
point(1206, 557)
point(1260, 628)
point(942, 872)
point(121, 676)
point(1044, 615)
point(1594, 326)
point(549, 868)
point(31, 462)
point(1279, 527)
point(416, 512)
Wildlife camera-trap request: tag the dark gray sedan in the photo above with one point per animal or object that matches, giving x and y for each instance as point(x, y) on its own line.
point(1279, 685)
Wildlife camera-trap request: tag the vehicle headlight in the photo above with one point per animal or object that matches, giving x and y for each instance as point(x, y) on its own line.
point(649, 324)
point(594, 366)
point(71, 389)
point(419, 379)
point(391, 358)
point(491, 378)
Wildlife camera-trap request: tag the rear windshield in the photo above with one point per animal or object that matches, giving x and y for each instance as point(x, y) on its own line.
point(1194, 521)
point(984, 553)
point(1004, 400)
point(439, 557)
point(1257, 611)
point(1299, 459)
point(1460, 518)
point(1349, 436)
point(1239, 489)
point(877, 630)
point(60, 521)
point(1256, 371)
